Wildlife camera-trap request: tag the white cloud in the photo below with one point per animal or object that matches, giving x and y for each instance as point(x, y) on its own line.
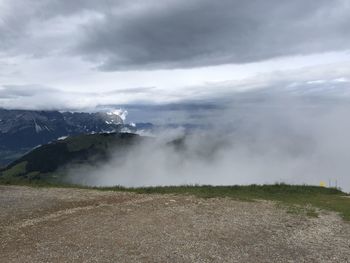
point(40, 41)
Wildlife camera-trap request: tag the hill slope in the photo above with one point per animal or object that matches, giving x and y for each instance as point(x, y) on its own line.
point(42, 162)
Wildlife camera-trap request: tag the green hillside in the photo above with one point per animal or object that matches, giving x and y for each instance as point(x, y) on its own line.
point(47, 162)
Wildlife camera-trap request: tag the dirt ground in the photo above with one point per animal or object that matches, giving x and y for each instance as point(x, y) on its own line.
point(71, 225)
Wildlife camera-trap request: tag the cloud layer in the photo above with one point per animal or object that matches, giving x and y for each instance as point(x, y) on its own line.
point(147, 102)
point(125, 35)
point(178, 34)
point(289, 140)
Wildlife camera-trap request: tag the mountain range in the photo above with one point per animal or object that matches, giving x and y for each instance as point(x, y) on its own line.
point(22, 130)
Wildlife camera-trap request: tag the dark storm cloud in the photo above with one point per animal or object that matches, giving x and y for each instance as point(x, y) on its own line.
point(203, 32)
point(22, 21)
point(152, 34)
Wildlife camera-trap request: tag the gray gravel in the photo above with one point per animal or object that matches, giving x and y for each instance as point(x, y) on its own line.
point(71, 225)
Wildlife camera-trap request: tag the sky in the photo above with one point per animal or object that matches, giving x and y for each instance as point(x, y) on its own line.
point(83, 54)
point(273, 76)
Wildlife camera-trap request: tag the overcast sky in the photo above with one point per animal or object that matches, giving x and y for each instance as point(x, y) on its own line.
point(65, 54)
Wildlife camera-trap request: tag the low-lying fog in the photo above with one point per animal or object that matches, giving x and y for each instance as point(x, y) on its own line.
point(254, 142)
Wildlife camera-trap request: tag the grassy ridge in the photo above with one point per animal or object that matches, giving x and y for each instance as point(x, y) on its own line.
point(46, 160)
point(297, 198)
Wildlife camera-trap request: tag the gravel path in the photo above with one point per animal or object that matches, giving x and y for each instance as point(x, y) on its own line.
point(71, 225)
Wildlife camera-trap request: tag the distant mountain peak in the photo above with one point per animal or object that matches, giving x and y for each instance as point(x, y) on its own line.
point(21, 130)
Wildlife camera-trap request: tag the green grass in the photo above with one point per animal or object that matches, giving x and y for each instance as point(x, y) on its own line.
point(16, 170)
point(78, 143)
point(297, 199)
point(300, 198)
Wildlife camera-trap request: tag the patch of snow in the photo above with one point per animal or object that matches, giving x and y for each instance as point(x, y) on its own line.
point(37, 127)
point(108, 131)
point(35, 147)
point(125, 130)
point(119, 112)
